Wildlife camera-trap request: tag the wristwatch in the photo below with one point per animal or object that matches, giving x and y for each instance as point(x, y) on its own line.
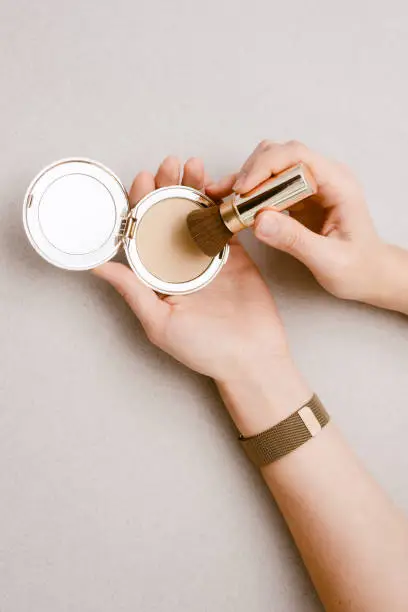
point(284, 437)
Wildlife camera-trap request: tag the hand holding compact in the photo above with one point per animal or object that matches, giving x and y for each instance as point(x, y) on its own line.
point(227, 329)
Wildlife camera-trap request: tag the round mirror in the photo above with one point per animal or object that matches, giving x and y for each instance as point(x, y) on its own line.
point(73, 212)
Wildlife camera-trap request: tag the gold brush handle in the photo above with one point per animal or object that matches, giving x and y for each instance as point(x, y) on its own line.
point(279, 192)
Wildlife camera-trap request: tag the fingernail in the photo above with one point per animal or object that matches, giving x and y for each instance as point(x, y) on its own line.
point(266, 225)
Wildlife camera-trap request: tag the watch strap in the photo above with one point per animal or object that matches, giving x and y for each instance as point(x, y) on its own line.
point(286, 436)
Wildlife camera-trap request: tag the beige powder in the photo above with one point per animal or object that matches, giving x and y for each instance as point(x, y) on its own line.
point(164, 243)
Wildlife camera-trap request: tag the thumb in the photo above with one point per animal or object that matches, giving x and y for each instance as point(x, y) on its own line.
point(286, 234)
point(144, 302)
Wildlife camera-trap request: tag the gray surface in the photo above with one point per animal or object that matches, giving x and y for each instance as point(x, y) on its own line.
point(121, 486)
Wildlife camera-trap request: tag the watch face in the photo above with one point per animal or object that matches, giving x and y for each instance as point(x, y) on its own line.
point(73, 212)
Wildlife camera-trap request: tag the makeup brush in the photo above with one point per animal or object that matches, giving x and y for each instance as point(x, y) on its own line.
point(214, 226)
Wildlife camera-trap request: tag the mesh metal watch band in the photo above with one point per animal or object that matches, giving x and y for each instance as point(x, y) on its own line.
point(286, 436)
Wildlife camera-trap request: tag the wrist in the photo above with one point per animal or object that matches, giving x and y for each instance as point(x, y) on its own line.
point(390, 285)
point(262, 397)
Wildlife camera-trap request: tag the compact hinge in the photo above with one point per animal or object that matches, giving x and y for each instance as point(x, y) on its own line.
point(127, 227)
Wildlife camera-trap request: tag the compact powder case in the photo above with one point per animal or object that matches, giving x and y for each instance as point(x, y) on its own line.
point(77, 216)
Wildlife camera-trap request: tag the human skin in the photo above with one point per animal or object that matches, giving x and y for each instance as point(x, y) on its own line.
point(332, 233)
point(353, 540)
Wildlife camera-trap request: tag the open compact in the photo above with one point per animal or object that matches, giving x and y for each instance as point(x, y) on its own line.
point(77, 216)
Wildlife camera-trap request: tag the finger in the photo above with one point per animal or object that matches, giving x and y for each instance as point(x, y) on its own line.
point(246, 168)
point(146, 305)
point(193, 175)
point(141, 186)
point(286, 234)
point(222, 188)
point(168, 172)
point(270, 158)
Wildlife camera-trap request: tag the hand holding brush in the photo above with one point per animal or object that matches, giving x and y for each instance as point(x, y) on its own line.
point(213, 227)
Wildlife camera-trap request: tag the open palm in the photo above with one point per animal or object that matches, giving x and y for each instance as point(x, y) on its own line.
point(220, 331)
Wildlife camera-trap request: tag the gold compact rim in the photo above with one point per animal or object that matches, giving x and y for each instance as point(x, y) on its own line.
point(76, 215)
point(130, 243)
point(72, 213)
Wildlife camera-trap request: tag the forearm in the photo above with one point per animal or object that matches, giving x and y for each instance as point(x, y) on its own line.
point(390, 286)
point(353, 541)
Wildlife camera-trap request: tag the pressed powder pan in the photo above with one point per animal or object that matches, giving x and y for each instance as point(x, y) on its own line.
point(172, 255)
point(77, 216)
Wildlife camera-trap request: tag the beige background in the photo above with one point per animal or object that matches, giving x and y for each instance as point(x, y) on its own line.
point(121, 485)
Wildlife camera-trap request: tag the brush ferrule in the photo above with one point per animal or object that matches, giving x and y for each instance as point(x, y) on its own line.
point(279, 192)
point(230, 216)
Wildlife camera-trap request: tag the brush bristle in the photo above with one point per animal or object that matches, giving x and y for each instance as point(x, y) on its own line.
point(208, 230)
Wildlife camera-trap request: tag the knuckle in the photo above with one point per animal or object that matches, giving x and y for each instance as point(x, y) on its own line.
point(298, 148)
point(265, 145)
